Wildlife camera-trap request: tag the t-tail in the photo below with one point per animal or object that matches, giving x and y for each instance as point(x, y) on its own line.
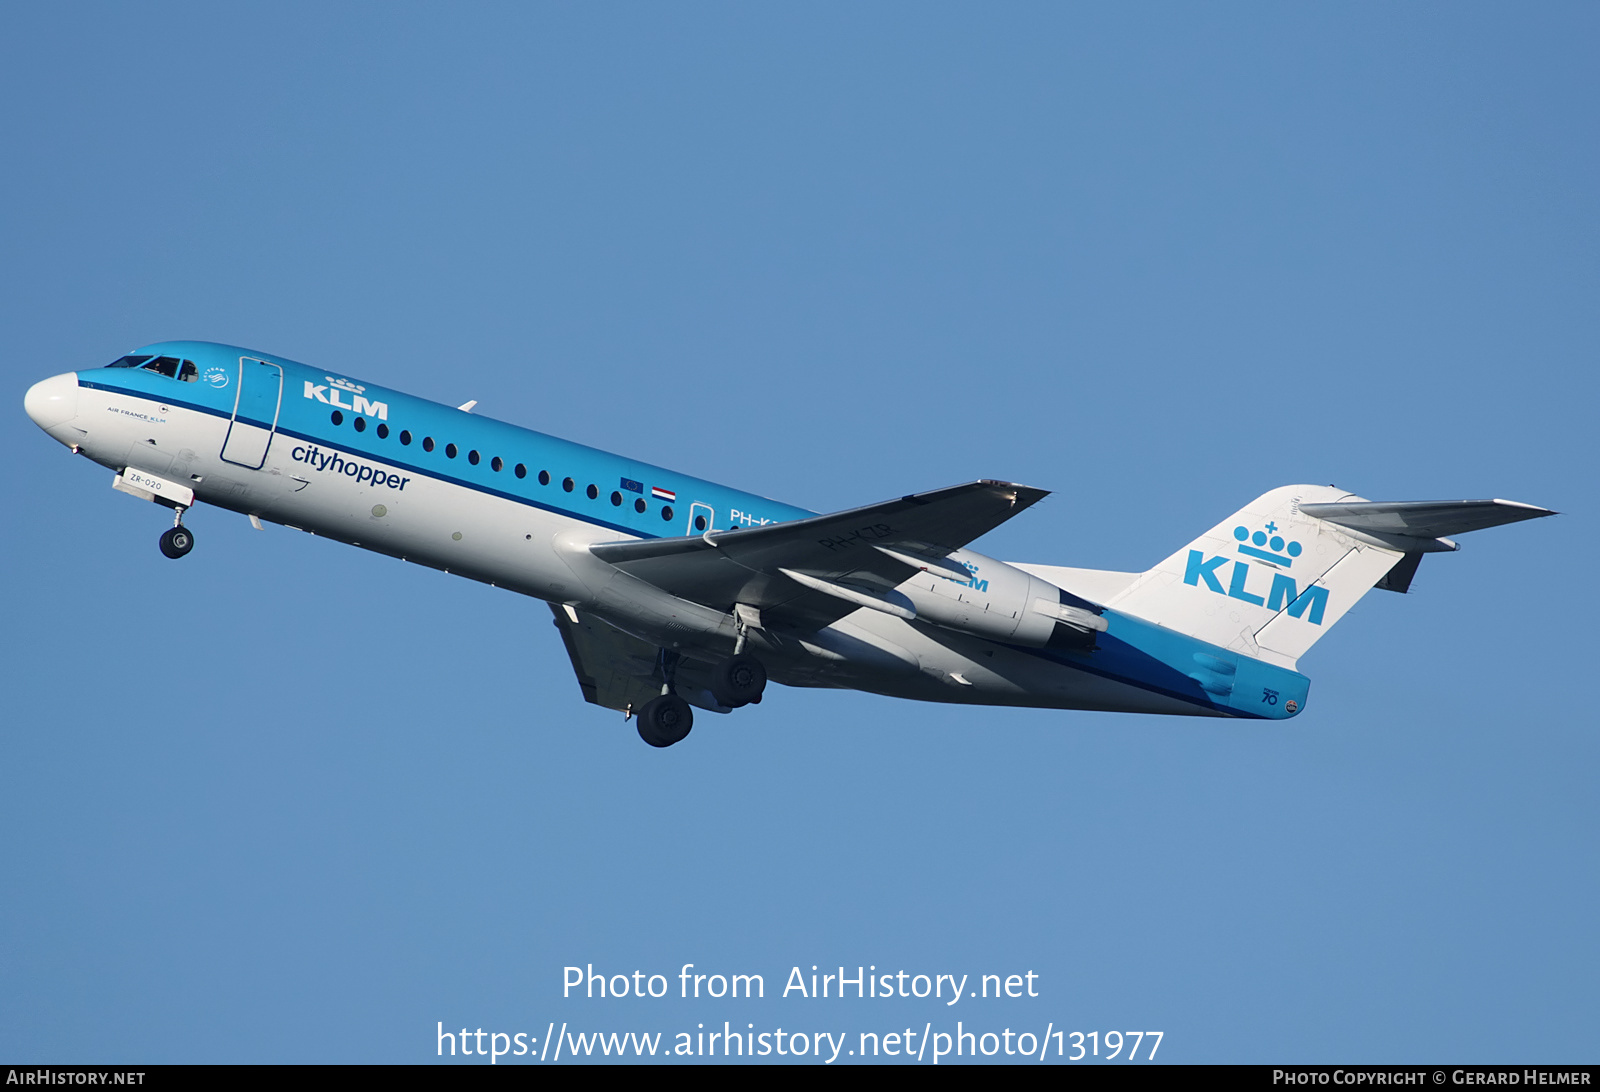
point(1276, 575)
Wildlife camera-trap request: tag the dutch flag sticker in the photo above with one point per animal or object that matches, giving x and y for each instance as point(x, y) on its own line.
point(662, 494)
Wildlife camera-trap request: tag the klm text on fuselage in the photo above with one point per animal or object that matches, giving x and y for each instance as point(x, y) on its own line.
point(329, 396)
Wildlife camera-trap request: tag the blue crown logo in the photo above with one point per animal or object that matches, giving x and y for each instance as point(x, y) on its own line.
point(1251, 545)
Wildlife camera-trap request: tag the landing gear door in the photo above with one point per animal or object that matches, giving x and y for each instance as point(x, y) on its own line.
point(701, 518)
point(257, 397)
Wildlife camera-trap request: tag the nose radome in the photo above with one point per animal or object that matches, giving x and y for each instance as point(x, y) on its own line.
point(54, 401)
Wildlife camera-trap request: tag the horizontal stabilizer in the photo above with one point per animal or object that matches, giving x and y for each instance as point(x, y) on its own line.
point(1424, 519)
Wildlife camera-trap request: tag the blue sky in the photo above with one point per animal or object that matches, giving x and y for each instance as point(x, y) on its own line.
point(288, 801)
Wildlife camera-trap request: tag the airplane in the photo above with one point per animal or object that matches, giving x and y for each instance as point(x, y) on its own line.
point(673, 593)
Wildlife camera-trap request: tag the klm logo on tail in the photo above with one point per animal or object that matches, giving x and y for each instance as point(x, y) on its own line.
point(1268, 546)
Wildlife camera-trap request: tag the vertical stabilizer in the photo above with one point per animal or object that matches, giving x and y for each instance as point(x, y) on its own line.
point(1267, 581)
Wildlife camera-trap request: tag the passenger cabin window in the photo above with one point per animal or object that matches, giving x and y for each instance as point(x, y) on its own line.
point(169, 366)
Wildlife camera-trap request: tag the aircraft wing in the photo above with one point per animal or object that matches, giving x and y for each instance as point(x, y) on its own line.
point(813, 571)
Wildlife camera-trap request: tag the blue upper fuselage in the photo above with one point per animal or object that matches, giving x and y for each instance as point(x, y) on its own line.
point(337, 413)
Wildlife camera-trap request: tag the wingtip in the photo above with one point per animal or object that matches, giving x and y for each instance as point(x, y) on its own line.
point(1028, 494)
point(1534, 510)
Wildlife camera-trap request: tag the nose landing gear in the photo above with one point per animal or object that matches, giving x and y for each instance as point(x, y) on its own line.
point(177, 540)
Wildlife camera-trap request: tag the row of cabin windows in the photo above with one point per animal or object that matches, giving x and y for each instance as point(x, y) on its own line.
point(185, 371)
point(497, 464)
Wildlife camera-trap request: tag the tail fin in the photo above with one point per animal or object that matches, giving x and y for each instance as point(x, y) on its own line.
point(1273, 577)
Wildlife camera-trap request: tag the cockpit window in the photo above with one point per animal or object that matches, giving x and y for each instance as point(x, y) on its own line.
point(128, 362)
point(173, 368)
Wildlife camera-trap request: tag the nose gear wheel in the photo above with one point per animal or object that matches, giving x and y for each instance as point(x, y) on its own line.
point(177, 540)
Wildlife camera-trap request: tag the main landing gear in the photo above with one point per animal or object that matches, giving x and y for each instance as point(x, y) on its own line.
point(178, 539)
point(739, 680)
point(667, 718)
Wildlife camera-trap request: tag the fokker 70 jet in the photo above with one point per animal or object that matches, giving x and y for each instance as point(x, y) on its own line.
point(671, 592)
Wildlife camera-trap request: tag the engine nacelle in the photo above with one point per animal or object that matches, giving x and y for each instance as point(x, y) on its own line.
point(1003, 603)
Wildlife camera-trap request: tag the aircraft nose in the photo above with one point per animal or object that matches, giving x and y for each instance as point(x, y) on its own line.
point(53, 401)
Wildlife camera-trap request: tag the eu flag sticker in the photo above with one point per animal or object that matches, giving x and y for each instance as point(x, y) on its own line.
point(632, 486)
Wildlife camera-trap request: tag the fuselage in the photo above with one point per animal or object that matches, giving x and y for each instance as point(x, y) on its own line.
point(343, 458)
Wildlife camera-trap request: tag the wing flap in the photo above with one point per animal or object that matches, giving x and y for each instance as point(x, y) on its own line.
point(615, 671)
